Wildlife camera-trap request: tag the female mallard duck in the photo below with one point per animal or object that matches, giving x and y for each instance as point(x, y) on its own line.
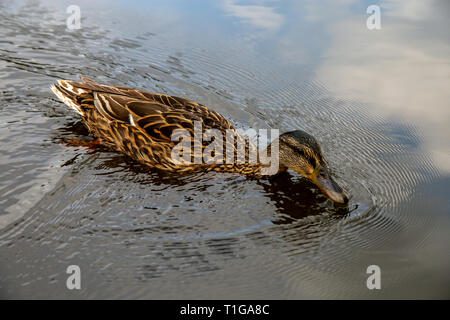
point(140, 124)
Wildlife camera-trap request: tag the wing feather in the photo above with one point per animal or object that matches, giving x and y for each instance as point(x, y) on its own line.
point(154, 115)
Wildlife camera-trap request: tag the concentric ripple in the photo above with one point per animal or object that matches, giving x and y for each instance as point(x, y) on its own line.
point(140, 233)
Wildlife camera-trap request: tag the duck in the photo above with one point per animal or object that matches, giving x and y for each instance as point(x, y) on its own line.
point(141, 124)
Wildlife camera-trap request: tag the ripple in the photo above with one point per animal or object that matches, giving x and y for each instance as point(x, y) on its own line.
point(138, 232)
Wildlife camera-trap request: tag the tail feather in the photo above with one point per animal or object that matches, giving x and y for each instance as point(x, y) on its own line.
point(69, 94)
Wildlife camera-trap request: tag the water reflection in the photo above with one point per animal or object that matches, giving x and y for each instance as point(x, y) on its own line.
point(256, 15)
point(314, 66)
point(296, 198)
point(402, 71)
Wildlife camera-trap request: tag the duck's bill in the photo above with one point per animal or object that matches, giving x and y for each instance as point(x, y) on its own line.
point(329, 187)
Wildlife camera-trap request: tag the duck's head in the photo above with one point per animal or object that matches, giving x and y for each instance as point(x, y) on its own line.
point(301, 152)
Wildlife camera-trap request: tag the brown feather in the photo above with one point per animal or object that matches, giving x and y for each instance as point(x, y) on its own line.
point(140, 123)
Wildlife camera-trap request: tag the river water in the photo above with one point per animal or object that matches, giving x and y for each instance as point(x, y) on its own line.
point(377, 100)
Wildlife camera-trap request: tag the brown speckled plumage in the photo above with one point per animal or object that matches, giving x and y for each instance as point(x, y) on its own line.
point(140, 123)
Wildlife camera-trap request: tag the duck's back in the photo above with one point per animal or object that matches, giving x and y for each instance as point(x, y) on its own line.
point(140, 123)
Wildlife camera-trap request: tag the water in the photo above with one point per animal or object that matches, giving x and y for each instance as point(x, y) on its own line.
point(376, 100)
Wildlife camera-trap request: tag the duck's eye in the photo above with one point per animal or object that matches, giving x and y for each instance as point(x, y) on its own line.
point(322, 174)
point(313, 162)
point(301, 153)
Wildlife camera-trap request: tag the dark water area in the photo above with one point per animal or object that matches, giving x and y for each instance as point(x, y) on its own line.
point(377, 100)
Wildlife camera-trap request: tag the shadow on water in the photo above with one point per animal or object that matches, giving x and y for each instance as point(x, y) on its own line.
point(296, 198)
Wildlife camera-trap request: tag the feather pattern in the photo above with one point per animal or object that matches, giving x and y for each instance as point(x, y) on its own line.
point(140, 123)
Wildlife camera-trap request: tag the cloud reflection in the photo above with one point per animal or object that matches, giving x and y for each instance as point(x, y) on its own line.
point(402, 70)
point(258, 16)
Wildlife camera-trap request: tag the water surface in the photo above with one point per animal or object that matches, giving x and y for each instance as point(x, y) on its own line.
point(376, 100)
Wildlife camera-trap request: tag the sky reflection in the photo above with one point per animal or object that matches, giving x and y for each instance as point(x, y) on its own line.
point(258, 15)
point(402, 70)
